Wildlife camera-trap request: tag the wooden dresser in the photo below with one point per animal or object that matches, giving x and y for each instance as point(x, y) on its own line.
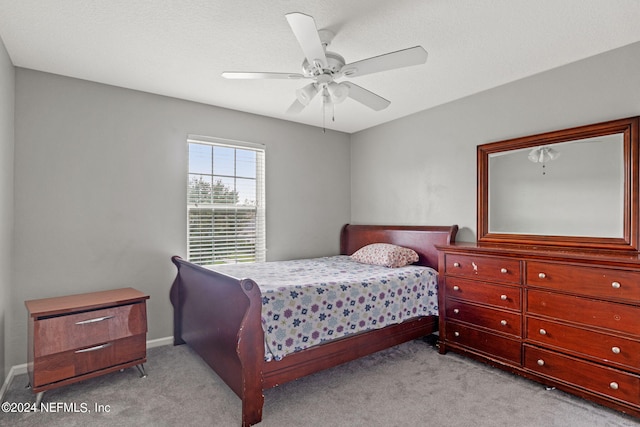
point(566, 318)
point(76, 337)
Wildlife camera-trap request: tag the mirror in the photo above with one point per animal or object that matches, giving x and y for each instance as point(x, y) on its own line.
point(541, 190)
point(576, 187)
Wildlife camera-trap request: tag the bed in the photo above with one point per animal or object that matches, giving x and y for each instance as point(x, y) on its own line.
point(221, 318)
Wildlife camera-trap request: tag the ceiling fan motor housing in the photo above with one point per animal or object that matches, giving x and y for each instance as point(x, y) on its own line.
point(335, 63)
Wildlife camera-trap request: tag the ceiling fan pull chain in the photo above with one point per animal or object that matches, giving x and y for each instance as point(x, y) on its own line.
point(324, 130)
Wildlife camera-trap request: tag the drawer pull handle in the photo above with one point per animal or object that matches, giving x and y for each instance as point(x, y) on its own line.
point(503, 297)
point(543, 332)
point(504, 270)
point(456, 311)
point(614, 386)
point(456, 288)
point(456, 334)
point(615, 350)
point(542, 275)
point(456, 264)
point(94, 320)
point(98, 347)
point(540, 362)
point(503, 322)
point(615, 285)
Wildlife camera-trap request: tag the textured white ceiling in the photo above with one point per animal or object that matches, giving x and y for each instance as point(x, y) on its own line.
point(179, 48)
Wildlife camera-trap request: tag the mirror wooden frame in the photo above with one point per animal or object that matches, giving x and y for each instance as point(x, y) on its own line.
point(629, 241)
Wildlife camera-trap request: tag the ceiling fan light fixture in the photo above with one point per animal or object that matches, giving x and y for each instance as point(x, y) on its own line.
point(326, 96)
point(307, 93)
point(339, 91)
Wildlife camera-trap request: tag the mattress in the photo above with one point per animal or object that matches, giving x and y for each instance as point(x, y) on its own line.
point(309, 301)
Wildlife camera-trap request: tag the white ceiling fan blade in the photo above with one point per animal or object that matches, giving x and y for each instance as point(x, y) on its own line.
point(305, 30)
point(296, 107)
point(389, 61)
point(363, 96)
point(249, 75)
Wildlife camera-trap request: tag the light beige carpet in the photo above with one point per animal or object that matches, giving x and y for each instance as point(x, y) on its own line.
point(408, 385)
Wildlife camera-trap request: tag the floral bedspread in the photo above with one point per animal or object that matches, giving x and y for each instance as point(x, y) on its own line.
point(308, 301)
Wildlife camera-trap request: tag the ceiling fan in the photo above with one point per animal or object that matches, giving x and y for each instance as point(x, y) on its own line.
point(324, 68)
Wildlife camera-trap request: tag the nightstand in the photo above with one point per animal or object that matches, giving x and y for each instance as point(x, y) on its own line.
point(77, 337)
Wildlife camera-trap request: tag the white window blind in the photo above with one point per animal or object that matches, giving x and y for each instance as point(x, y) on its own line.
point(225, 202)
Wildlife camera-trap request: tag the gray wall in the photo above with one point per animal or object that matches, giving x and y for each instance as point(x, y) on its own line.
point(7, 97)
point(421, 169)
point(100, 190)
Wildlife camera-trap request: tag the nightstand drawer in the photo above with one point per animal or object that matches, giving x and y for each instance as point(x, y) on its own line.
point(484, 342)
point(602, 380)
point(498, 320)
point(70, 332)
point(504, 270)
point(608, 349)
point(486, 293)
point(68, 364)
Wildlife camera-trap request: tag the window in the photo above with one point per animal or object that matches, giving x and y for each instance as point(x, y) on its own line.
point(225, 202)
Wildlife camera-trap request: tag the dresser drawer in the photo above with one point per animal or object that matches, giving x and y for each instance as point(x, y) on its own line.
point(498, 320)
point(69, 364)
point(495, 346)
point(590, 281)
point(609, 349)
point(70, 332)
point(495, 269)
point(486, 293)
point(599, 379)
point(615, 316)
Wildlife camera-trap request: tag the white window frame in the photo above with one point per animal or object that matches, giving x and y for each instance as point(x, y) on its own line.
point(206, 250)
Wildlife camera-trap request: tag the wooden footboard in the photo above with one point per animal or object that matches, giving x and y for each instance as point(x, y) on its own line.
point(220, 318)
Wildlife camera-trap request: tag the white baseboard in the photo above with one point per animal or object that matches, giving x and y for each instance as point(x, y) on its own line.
point(22, 368)
point(160, 342)
point(15, 370)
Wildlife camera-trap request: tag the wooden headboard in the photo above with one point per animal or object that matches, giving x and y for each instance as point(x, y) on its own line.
point(420, 238)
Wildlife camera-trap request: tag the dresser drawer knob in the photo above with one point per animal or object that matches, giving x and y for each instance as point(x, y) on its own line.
point(540, 362)
point(456, 311)
point(456, 288)
point(542, 331)
point(504, 270)
point(614, 386)
point(94, 320)
point(456, 264)
point(615, 350)
point(456, 334)
point(615, 285)
point(503, 297)
point(542, 275)
point(503, 322)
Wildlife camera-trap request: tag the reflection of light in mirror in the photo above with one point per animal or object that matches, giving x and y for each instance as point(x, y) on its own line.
point(543, 154)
